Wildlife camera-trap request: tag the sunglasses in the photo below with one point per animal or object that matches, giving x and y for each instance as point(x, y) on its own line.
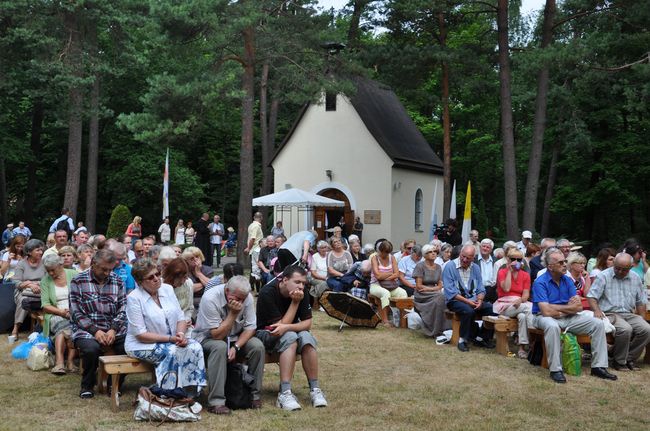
point(152, 277)
point(518, 259)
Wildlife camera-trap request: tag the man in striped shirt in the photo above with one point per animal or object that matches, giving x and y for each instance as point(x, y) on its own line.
point(97, 314)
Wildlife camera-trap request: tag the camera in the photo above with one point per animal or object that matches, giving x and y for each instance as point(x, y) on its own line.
point(439, 229)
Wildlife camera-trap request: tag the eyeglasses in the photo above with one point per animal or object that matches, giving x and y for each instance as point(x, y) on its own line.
point(409, 248)
point(618, 268)
point(518, 259)
point(152, 277)
point(559, 262)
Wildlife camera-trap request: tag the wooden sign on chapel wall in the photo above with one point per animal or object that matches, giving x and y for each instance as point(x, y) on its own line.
point(372, 217)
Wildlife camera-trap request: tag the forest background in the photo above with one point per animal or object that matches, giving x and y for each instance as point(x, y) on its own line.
point(546, 114)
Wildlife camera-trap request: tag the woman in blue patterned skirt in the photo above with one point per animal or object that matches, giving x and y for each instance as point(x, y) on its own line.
point(156, 331)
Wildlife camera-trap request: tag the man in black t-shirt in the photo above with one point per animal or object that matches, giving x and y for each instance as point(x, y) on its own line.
point(451, 234)
point(283, 323)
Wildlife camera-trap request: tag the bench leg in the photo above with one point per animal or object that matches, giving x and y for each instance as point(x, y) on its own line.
point(646, 359)
point(115, 397)
point(102, 379)
point(403, 323)
point(455, 332)
point(502, 343)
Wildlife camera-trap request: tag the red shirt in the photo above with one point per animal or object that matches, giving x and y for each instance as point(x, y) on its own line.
point(518, 285)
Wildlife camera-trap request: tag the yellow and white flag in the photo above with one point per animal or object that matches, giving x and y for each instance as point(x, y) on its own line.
point(467, 216)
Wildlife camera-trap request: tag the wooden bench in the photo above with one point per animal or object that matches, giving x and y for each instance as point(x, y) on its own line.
point(402, 304)
point(114, 366)
point(537, 335)
point(455, 327)
point(502, 327)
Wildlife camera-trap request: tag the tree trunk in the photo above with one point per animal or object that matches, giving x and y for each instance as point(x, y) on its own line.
point(93, 156)
point(355, 20)
point(75, 108)
point(507, 132)
point(446, 123)
point(246, 172)
point(264, 131)
point(36, 146)
point(535, 160)
point(550, 187)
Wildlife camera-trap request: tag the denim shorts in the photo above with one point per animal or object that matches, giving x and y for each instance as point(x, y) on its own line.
point(280, 344)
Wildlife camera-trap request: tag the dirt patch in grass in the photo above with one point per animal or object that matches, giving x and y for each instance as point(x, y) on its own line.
point(382, 379)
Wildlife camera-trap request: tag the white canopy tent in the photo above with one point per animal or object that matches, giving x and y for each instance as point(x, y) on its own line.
point(303, 201)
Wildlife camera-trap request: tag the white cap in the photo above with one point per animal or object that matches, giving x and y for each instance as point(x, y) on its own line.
point(526, 234)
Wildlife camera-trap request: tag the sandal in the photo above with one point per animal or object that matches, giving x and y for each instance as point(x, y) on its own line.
point(59, 370)
point(388, 325)
point(73, 369)
point(522, 354)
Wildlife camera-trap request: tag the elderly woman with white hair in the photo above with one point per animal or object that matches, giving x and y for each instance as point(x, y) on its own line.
point(27, 276)
point(156, 331)
point(318, 270)
point(429, 299)
point(56, 320)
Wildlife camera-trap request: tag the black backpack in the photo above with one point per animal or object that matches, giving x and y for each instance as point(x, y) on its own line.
point(239, 387)
point(64, 225)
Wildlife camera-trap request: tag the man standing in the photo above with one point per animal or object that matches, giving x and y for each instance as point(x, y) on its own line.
point(66, 215)
point(60, 240)
point(485, 261)
point(283, 322)
point(165, 232)
point(216, 236)
point(555, 306)
point(97, 315)
point(473, 237)
point(254, 234)
point(357, 228)
point(526, 236)
point(22, 230)
point(8, 235)
point(465, 296)
point(225, 327)
point(202, 238)
point(618, 294)
point(451, 235)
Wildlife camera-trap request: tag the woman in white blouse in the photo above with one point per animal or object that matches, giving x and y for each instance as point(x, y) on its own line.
point(156, 331)
point(319, 270)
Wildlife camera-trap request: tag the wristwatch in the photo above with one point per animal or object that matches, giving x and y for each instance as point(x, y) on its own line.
point(237, 348)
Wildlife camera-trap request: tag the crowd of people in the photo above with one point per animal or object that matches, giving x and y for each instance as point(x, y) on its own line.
point(162, 303)
point(159, 300)
point(550, 286)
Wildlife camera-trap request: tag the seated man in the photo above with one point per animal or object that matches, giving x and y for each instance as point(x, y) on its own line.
point(225, 327)
point(283, 321)
point(618, 294)
point(555, 306)
point(122, 269)
point(464, 293)
point(98, 315)
point(406, 266)
point(357, 279)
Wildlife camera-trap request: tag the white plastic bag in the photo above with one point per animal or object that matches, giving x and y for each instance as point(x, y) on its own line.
point(414, 321)
point(40, 358)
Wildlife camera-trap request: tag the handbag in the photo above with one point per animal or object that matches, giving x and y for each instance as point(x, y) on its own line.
point(239, 387)
point(40, 358)
point(150, 407)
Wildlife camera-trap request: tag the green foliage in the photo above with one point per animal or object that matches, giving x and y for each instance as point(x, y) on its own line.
point(119, 221)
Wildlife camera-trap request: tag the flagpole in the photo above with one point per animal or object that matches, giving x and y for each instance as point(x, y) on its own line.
point(434, 214)
point(165, 211)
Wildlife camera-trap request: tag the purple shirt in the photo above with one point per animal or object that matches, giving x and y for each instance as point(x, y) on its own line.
point(95, 307)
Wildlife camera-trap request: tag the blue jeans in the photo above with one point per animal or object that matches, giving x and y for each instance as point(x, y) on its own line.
point(467, 315)
point(336, 285)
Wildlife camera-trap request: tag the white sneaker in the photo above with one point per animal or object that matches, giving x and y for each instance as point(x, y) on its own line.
point(317, 398)
point(287, 401)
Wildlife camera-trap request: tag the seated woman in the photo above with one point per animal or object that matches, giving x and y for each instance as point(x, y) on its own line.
point(429, 299)
point(175, 274)
point(513, 291)
point(199, 273)
point(85, 255)
point(56, 321)
point(69, 256)
point(604, 260)
point(355, 251)
point(383, 281)
point(339, 261)
point(156, 331)
point(27, 277)
point(11, 258)
point(576, 270)
point(445, 255)
point(318, 270)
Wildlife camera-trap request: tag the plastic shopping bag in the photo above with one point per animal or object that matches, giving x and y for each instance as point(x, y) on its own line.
point(571, 355)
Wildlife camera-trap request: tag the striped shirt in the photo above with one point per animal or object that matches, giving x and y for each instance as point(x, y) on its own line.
point(95, 306)
point(617, 295)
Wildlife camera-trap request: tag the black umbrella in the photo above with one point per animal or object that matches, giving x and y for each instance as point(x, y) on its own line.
point(349, 309)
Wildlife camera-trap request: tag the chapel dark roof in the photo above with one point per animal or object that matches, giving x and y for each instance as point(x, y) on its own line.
point(389, 123)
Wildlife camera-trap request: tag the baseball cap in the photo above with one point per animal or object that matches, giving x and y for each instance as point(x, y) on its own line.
point(526, 234)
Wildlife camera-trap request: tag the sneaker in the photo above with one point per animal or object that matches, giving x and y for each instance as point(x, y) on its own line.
point(287, 401)
point(86, 394)
point(317, 398)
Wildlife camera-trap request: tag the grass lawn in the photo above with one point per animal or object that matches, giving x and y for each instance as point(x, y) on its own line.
point(388, 379)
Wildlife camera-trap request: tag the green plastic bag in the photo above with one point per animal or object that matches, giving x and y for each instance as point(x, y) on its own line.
point(571, 355)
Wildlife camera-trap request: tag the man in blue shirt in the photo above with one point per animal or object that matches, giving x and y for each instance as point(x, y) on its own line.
point(122, 269)
point(23, 230)
point(8, 235)
point(556, 306)
point(464, 293)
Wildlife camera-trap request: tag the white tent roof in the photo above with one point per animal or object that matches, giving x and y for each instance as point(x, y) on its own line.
point(296, 198)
